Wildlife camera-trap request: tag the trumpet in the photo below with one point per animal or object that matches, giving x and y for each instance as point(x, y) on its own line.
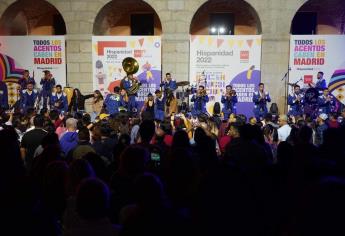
point(201, 93)
point(231, 93)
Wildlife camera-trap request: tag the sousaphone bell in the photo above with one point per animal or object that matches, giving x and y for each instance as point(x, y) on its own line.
point(131, 66)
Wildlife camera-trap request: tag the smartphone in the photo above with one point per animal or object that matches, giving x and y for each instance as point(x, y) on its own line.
point(155, 157)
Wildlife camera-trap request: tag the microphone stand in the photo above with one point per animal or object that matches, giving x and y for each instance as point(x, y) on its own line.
point(286, 90)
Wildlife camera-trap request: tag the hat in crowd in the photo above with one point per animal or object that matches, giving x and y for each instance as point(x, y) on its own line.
point(103, 115)
point(157, 91)
point(122, 109)
point(323, 116)
point(149, 95)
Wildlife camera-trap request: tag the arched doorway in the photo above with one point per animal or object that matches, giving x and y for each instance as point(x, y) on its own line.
point(225, 50)
point(119, 17)
point(31, 17)
point(127, 29)
point(318, 17)
point(32, 39)
point(242, 18)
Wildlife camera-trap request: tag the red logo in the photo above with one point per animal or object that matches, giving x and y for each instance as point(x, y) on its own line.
point(138, 53)
point(244, 55)
point(308, 79)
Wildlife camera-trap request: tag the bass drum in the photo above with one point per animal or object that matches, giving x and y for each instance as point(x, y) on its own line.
point(311, 95)
point(69, 93)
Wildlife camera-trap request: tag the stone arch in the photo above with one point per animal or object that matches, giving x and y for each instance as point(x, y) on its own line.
point(246, 21)
point(330, 16)
point(32, 17)
point(114, 17)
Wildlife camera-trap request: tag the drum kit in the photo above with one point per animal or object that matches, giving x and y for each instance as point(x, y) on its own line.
point(182, 95)
point(311, 96)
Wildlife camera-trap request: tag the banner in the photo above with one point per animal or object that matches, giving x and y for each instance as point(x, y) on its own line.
point(217, 61)
point(33, 53)
point(310, 54)
point(108, 53)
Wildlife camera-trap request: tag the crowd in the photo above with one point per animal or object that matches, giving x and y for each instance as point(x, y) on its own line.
point(65, 175)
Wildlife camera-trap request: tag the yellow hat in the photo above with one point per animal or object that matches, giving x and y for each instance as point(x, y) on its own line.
point(103, 115)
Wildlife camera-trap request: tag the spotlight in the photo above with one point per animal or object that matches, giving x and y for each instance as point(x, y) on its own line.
point(213, 30)
point(221, 30)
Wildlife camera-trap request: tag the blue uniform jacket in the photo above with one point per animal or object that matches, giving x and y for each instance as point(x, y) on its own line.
point(112, 103)
point(324, 105)
point(28, 100)
point(296, 107)
point(47, 85)
point(171, 85)
point(320, 85)
point(260, 106)
point(62, 100)
point(199, 104)
point(229, 104)
point(160, 104)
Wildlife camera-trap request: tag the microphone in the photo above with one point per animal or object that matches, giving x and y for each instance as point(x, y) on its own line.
point(285, 75)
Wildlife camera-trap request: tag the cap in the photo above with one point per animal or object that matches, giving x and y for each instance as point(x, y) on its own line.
point(323, 116)
point(150, 94)
point(103, 115)
point(157, 91)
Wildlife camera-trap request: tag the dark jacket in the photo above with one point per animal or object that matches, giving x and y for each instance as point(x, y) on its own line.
point(78, 103)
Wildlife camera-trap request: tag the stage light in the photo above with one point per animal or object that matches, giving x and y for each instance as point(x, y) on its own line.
point(213, 30)
point(221, 30)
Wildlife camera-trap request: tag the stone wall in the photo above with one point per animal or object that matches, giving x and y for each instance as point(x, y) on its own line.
point(176, 17)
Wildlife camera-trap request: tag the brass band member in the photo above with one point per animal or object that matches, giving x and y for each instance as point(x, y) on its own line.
point(296, 102)
point(229, 101)
point(260, 99)
point(200, 99)
point(128, 83)
point(169, 87)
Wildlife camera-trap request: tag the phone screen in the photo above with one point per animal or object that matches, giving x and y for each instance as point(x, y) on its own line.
point(155, 157)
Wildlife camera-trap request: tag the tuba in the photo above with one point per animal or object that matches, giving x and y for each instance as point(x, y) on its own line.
point(131, 66)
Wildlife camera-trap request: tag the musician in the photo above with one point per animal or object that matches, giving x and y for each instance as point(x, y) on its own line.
point(159, 106)
point(169, 87)
point(149, 105)
point(260, 99)
point(169, 84)
point(3, 96)
point(320, 84)
point(127, 83)
point(200, 99)
point(25, 80)
point(296, 102)
point(113, 102)
point(29, 97)
point(48, 83)
point(58, 100)
point(326, 102)
point(229, 101)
